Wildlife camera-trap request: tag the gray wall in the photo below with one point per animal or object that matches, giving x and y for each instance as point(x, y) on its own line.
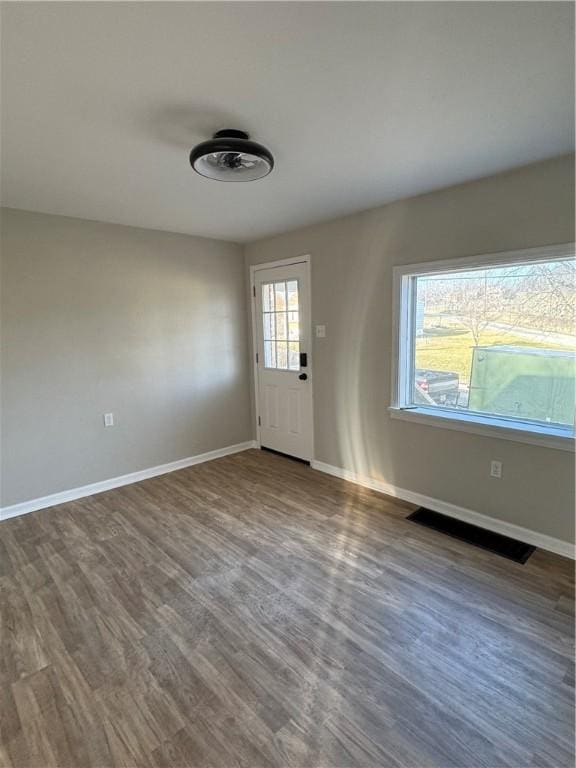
point(352, 260)
point(97, 318)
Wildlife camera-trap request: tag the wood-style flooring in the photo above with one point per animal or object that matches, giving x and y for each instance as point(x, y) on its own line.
point(253, 612)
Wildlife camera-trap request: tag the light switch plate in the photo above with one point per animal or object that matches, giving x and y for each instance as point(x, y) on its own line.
point(496, 469)
point(108, 419)
point(320, 331)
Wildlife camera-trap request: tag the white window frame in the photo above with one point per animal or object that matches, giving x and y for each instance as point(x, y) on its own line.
point(536, 433)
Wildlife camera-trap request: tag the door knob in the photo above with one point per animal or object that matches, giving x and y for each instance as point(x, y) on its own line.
point(303, 376)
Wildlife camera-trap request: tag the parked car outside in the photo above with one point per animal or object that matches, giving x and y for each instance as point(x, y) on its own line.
point(436, 387)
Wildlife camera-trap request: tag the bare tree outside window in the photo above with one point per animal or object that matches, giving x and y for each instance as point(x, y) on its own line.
point(498, 339)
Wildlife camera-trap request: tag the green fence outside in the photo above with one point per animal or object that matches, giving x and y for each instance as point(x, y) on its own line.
point(524, 382)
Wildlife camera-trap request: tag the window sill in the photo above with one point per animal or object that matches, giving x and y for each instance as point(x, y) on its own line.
point(550, 437)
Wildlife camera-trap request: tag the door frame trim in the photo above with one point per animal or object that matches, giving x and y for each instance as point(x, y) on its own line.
point(303, 259)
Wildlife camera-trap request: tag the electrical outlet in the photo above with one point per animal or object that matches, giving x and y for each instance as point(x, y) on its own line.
point(496, 469)
point(108, 419)
point(320, 331)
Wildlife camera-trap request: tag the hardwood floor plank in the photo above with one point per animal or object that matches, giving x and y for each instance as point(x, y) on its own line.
point(253, 612)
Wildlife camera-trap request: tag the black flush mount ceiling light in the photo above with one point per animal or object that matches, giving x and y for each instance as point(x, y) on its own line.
point(231, 156)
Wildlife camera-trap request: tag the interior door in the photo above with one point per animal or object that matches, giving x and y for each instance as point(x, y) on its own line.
point(284, 385)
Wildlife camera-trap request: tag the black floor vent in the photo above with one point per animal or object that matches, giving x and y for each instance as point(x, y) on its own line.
point(472, 534)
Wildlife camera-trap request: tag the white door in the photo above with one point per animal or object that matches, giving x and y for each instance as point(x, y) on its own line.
point(284, 386)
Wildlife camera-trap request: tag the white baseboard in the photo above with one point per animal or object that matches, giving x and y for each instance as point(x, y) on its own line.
point(116, 482)
point(526, 535)
point(535, 538)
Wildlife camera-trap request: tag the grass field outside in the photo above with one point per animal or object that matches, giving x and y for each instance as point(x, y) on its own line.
point(451, 347)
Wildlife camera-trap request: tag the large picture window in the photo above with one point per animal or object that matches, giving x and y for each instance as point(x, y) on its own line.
point(491, 342)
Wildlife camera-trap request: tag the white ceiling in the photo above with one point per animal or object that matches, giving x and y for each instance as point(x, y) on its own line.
point(361, 103)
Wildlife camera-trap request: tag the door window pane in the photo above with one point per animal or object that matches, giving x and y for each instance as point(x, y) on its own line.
point(281, 325)
point(280, 296)
point(268, 297)
point(293, 355)
point(268, 326)
point(292, 291)
point(270, 354)
point(282, 354)
point(293, 326)
point(281, 330)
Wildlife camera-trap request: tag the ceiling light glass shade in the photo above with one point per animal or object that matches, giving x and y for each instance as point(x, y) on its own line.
point(231, 156)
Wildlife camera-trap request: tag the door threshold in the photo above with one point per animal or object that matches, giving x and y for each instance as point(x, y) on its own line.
point(286, 455)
